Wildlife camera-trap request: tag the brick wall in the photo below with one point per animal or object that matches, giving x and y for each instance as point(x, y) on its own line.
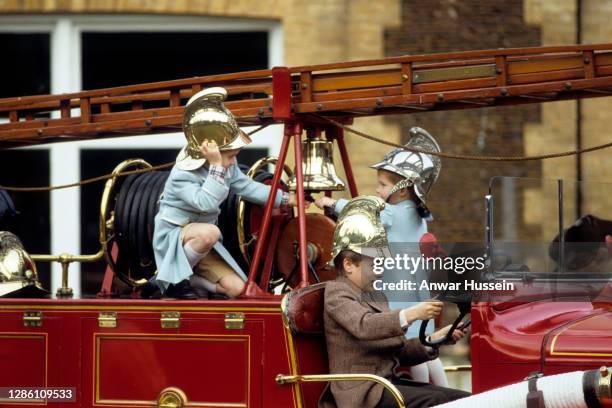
point(445, 25)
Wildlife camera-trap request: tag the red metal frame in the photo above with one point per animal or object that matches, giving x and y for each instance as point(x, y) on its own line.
point(292, 130)
point(251, 288)
point(301, 205)
point(277, 221)
point(338, 135)
point(107, 284)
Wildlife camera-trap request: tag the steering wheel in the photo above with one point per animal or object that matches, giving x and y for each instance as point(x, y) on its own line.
point(430, 248)
point(464, 304)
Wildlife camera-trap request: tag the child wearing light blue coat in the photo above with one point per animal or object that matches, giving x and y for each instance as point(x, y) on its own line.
point(186, 236)
point(192, 199)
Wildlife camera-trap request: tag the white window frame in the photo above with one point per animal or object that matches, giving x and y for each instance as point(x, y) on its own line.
point(64, 158)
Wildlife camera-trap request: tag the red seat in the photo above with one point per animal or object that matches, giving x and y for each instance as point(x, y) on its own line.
point(304, 310)
point(303, 313)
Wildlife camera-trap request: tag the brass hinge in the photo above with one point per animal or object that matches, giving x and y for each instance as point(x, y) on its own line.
point(234, 321)
point(170, 320)
point(32, 319)
point(107, 319)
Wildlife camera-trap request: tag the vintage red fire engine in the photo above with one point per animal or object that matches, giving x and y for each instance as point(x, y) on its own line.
point(265, 349)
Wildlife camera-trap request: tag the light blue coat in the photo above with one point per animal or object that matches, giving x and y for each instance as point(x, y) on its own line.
point(191, 196)
point(404, 227)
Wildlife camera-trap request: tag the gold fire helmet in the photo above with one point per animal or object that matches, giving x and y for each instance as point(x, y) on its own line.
point(18, 275)
point(206, 118)
point(359, 228)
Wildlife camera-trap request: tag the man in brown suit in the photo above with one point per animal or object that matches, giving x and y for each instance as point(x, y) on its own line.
point(363, 336)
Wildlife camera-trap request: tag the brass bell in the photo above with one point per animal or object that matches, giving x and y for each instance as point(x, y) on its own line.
point(318, 167)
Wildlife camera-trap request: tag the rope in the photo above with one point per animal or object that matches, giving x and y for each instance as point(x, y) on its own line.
point(88, 181)
point(351, 130)
point(466, 157)
point(103, 177)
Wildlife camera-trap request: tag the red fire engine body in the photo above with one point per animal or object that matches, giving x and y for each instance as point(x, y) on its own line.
point(229, 353)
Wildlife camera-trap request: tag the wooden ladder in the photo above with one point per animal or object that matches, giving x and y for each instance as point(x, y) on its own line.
point(396, 85)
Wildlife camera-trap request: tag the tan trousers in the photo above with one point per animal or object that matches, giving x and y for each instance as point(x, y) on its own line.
point(212, 267)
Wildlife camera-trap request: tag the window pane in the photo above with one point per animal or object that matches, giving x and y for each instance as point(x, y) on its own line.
point(24, 168)
point(25, 67)
point(114, 59)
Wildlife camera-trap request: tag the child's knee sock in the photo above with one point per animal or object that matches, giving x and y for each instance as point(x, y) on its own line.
point(193, 256)
point(211, 287)
point(199, 282)
point(436, 371)
point(420, 373)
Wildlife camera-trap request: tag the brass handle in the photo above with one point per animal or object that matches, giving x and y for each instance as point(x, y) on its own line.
point(292, 379)
point(171, 397)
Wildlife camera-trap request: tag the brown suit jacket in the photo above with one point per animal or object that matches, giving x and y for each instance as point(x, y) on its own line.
point(363, 337)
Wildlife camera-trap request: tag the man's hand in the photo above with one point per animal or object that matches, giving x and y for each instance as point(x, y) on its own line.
point(423, 311)
point(293, 200)
point(211, 153)
point(457, 334)
point(322, 202)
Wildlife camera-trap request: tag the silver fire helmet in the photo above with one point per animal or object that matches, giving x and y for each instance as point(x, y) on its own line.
point(419, 170)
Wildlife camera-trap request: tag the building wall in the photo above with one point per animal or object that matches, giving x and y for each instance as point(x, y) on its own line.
point(596, 113)
point(452, 25)
point(314, 32)
point(557, 127)
point(322, 31)
point(457, 200)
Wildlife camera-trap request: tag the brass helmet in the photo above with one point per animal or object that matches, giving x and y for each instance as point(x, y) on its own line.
point(205, 117)
point(359, 228)
point(18, 275)
point(420, 170)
